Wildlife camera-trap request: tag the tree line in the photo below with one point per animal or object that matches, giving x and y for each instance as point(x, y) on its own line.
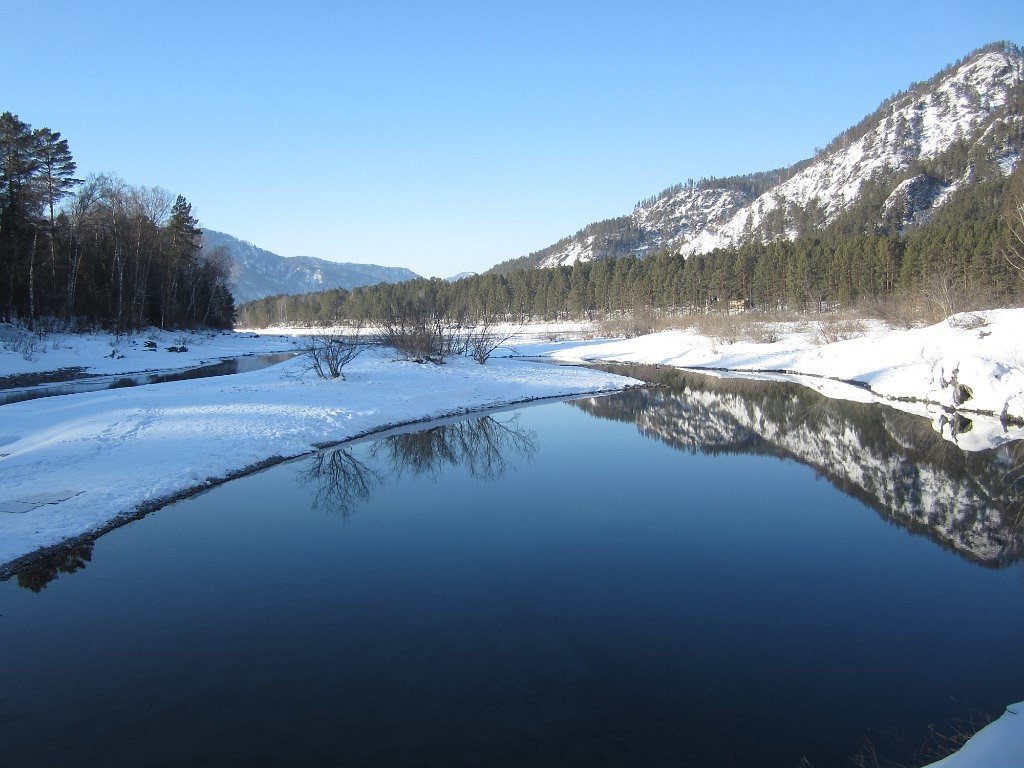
point(960, 254)
point(99, 251)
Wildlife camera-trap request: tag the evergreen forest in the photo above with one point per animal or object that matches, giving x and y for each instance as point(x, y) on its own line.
point(957, 259)
point(98, 252)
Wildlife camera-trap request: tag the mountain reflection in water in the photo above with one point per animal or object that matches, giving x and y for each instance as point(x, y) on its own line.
point(969, 502)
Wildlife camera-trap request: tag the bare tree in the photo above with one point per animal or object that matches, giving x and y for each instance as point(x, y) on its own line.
point(1014, 250)
point(943, 295)
point(488, 335)
point(426, 327)
point(329, 353)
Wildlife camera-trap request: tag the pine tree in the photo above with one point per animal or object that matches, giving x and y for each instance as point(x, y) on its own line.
point(56, 176)
point(184, 243)
point(19, 201)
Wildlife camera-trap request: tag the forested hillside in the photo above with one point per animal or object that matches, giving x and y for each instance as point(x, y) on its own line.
point(98, 251)
point(256, 272)
point(891, 172)
point(959, 260)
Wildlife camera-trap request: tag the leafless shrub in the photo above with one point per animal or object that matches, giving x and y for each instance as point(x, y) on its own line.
point(27, 345)
point(764, 333)
point(898, 312)
point(425, 328)
point(486, 336)
point(1013, 251)
point(943, 296)
point(629, 324)
point(723, 327)
point(329, 353)
point(968, 321)
point(832, 329)
point(45, 326)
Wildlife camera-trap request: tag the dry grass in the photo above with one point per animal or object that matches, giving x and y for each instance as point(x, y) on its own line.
point(631, 324)
point(832, 328)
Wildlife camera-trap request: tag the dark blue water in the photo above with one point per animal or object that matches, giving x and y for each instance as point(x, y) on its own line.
point(552, 586)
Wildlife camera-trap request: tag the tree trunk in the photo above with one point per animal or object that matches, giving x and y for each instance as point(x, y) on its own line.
point(32, 281)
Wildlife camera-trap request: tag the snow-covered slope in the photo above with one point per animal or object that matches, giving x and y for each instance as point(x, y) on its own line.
point(971, 365)
point(256, 273)
point(971, 109)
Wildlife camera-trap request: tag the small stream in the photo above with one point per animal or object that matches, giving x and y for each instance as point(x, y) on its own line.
point(228, 367)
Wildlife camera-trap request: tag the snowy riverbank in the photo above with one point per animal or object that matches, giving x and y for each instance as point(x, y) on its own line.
point(106, 454)
point(72, 465)
point(972, 363)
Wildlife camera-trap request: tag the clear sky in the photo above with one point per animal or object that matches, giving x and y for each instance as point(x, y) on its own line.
point(449, 136)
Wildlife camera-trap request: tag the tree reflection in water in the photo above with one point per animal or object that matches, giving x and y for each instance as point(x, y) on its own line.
point(485, 447)
point(45, 570)
point(481, 446)
point(341, 481)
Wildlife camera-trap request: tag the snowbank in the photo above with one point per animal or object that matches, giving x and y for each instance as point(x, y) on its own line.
point(105, 354)
point(972, 363)
point(997, 745)
point(73, 464)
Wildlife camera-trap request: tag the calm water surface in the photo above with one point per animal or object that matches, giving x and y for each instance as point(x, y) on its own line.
point(705, 574)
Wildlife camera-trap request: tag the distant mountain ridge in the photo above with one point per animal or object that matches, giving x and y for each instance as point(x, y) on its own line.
point(905, 160)
point(256, 272)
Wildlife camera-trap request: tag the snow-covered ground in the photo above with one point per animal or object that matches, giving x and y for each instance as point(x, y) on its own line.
point(929, 371)
point(998, 745)
point(106, 354)
point(73, 464)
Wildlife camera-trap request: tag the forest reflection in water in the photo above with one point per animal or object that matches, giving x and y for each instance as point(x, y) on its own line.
point(971, 502)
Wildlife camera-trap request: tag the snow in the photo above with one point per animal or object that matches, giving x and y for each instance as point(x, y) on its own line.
point(106, 354)
point(110, 453)
point(919, 370)
point(997, 745)
point(935, 123)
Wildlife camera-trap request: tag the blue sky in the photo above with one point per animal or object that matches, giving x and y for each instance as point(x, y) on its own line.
point(449, 136)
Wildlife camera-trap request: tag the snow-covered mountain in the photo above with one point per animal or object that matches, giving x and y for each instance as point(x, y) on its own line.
point(256, 273)
point(910, 155)
point(460, 276)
